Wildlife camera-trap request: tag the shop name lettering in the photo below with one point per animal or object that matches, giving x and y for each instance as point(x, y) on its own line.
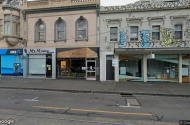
point(77, 53)
point(39, 51)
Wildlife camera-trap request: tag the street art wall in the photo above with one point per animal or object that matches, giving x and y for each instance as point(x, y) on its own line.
point(166, 40)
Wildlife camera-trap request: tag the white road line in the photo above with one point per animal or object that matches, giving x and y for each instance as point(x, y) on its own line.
point(32, 100)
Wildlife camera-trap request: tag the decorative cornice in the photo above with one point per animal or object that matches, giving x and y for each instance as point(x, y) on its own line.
point(156, 19)
point(134, 20)
point(146, 7)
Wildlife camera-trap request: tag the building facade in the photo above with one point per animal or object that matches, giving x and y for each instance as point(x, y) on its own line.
point(58, 38)
point(149, 40)
point(11, 39)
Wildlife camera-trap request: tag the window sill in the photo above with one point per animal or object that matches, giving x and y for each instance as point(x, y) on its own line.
point(113, 41)
point(81, 40)
point(40, 41)
point(64, 40)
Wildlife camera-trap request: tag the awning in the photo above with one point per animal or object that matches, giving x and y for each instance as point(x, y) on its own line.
point(177, 50)
point(77, 53)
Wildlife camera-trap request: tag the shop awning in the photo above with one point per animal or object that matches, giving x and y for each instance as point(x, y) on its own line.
point(78, 53)
point(177, 50)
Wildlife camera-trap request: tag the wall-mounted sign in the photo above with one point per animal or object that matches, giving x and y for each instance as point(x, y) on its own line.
point(11, 52)
point(63, 64)
point(36, 51)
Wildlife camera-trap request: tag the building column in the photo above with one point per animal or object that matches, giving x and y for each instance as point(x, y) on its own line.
point(180, 68)
point(145, 67)
point(117, 69)
point(189, 68)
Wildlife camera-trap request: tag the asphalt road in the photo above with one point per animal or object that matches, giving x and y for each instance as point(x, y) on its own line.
point(93, 106)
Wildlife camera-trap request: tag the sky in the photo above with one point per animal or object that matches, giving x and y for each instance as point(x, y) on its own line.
point(116, 2)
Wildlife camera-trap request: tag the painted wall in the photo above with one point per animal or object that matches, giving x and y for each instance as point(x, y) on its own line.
point(7, 64)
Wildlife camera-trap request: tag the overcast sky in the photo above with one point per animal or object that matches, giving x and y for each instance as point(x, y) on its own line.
point(116, 2)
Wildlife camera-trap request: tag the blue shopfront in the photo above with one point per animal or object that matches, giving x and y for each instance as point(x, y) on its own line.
point(11, 61)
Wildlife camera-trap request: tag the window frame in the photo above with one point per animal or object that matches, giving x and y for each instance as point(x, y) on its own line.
point(56, 31)
point(37, 32)
point(156, 32)
point(113, 33)
point(77, 29)
point(13, 23)
point(134, 32)
point(1, 28)
point(178, 31)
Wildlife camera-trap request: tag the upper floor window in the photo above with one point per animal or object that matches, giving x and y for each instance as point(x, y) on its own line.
point(134, 33)
point(113, 33)
point(82, 29)
point(40, 31)
point(1, 28)
point(178, 31)
point(12, 25)
point(155, 32)
point(60, 30)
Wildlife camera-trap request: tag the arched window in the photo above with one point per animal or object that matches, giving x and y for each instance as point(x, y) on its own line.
point(81, 29)
point(40, 29)
point(60, 30)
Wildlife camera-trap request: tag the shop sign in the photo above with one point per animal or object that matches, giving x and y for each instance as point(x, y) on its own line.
point(37, 51)
point(11, 52)
point(115, 62)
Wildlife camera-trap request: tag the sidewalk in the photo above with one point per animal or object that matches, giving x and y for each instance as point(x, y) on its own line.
point(69, 85)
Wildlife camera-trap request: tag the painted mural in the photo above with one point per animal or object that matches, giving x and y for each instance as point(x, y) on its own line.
point(145, 40)
point(123, 39)
point(168, 36)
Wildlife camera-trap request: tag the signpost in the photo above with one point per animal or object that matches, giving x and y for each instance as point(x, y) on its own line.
point(114, 64)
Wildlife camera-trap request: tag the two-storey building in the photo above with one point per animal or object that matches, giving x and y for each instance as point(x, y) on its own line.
point(148, 39)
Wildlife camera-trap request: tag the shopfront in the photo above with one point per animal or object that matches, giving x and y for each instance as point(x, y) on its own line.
point(11, 61)
point(78, 63)
point(161, 65)
point(40, 63)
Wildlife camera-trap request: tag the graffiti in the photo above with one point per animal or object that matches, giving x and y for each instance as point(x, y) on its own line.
point(123, 39)
point(139, 6)
point(145, 40)
point(14, 3)
point(168, 36)
point(187, 34)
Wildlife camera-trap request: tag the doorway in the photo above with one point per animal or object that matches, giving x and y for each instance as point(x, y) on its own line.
point(49, 66)
point(90, 69)
point(109, 68)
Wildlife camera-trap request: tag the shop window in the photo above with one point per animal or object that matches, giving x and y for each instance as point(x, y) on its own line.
point(134, 33)
point(155, 32)
point(113, 33)
point(81, 29)
point(40, 29)
point(60, 30)
point(178, 31)
point(12, 25)
point(1, 28)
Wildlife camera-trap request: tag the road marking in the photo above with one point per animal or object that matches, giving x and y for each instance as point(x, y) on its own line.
point(32, 100)
point(96, 111)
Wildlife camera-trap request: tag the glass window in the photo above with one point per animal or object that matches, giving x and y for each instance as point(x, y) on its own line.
point(82, 29)
point(60, 31)
point(134, 33)
point(156, 32)
point(178, 31)
point(41, 32)
point(113, 33)
point(12, 25)
point(1, 28)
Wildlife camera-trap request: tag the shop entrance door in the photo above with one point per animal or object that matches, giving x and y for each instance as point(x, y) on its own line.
point(109, 68)
point(90, 69)
point(49, 66)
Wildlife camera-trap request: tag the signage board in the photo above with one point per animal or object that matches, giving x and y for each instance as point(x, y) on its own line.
point(114, 62)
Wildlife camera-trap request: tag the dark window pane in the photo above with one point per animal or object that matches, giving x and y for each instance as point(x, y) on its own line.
point(113, 33)
point(61, 27)
point(134, 33)
point(7, 17)
point(178, 35)
point(178, 27)
point(134, 29)
point(156, 35)
point(41, 27)
point(7, 28)
point(155, 28)
point(82, 34)
point(61, 35)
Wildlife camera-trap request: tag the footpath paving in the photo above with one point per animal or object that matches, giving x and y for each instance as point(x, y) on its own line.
point(78, 85)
